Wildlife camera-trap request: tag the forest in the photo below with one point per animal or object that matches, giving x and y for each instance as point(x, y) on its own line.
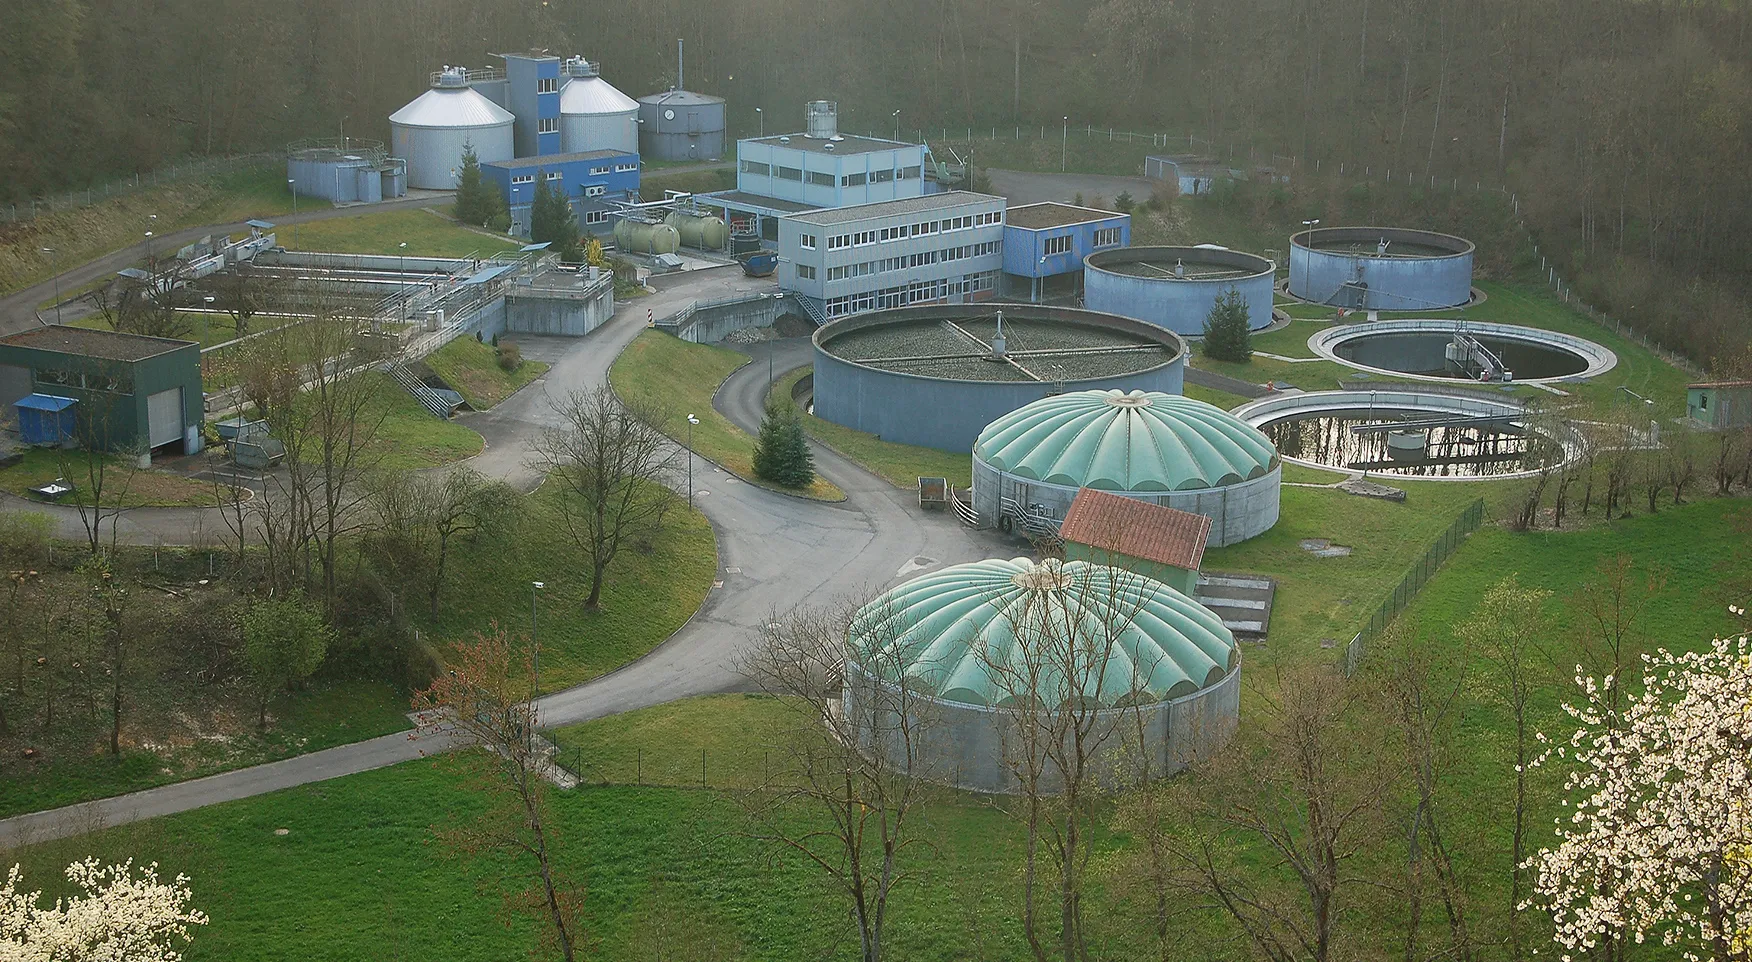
point(1621, 125)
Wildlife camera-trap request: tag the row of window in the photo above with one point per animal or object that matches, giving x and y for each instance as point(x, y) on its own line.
point(547, 85)
point(919, 259)
point(825, 179)
point(1056, 245)
point(1107, 237)
point(805, 272)
point(917, 293)
point(595, 217)
point(61, 377)
point(552, 176)
point(547, 125)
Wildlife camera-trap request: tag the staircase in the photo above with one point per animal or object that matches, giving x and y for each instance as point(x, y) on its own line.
point(430, 399)
point(814, 310)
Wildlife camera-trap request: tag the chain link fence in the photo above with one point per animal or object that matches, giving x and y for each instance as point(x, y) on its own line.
point(73, 200)
point(1470, 520)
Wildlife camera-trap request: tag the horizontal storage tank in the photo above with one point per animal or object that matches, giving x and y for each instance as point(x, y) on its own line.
point(681, 125)
point(645, 236)
point(1175, 287)
point(936, 376)
point(1162, 448)
point(1381, 268)
point(432, 131)
point(702, 231)
point(936, 647)
point(593, 114)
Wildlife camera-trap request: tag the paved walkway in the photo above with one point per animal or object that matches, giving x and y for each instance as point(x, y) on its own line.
point(775, 552)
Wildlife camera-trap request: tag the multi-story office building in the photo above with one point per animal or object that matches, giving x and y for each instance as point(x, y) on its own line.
point(928, 248)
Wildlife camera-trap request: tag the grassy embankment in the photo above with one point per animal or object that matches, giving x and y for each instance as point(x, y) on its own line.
point(472, 368)
point(680, 379)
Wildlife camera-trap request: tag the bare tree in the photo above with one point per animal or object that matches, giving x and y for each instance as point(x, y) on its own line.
point(1507, 627)
point(854, 754)
point(613, 465)
point(485, 700)
point(1615, 605)
point(419, 517)
point(245, 291)
point(100, 466)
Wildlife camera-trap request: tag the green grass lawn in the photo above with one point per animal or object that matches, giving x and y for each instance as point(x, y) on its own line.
point(1211, 395)
point(207, 327)
point(410, 437)
point(901, 465)
point(135, 487)
point(680, 378)
point(324, 714)
point(650, 591)
point(426, 234)
point(472, 368)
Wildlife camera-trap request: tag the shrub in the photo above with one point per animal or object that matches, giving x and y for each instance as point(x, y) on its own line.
point(510, 356)
point(1123, 202)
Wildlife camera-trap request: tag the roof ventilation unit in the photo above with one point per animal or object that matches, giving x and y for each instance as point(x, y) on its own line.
point(821, 120)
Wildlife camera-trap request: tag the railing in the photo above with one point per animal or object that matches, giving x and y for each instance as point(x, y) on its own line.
point(421, 391)
point(963, 509)
point(1469, 521)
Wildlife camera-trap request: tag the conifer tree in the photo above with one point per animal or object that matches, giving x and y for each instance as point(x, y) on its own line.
point(475, 198)
point(551, 221)
point(781, 453)
point(1226, 336)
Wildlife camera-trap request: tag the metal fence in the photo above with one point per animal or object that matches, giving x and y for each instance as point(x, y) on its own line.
point(1469, 521)
point(73, 200)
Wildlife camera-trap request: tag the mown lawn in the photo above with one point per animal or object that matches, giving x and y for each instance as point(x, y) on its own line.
point(679, 379)
point(124, 485)
point(650, 591)
point(901, 465)
point(472, 368)
point(427, 235)
point(409, 437)
point(1211, 395)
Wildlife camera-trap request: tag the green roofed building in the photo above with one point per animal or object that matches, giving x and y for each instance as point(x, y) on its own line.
point(1165, 449)
point(134, 393)
point(965, 648)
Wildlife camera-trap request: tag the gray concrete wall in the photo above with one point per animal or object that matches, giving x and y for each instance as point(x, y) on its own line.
point(1237, 511)
point(1179, 305)
point(571, 314)
point(965, 745)
point(1394, 283)
point(711, 324)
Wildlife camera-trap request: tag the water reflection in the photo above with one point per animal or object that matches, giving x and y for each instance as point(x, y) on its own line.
point(1461, 451)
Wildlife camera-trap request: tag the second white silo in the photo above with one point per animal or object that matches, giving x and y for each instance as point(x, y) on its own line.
point(593, 114)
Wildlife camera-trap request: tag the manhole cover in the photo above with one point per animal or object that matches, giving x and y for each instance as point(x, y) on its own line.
point(732, 570)
point(1329, 642)
point(282, 831)
point(1322, 548)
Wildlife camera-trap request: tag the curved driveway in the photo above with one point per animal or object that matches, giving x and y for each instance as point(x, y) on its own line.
point(775, 552)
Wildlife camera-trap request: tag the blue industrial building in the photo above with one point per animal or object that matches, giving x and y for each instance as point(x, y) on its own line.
point(1049, 240)
point(346, 171)
point(819, 168)
point(589, 180)
point(534, 98)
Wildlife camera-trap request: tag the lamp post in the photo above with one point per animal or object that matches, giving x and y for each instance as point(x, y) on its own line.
point(206, 319)
point(55, 256)
point(1065, 143)
point(691, 421)
point(534, 639)
point(402, 269)
point(897, 124)
point(762, 115)
point(293, 183)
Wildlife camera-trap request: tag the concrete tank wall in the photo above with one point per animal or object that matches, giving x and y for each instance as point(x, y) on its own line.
point(584, 132)
point(1180, 305)
point(1237, 511)
point(1409, 283)
point(435, 153)
point(965, 745)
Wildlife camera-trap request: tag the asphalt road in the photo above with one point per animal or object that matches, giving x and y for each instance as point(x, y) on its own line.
point(775, 552)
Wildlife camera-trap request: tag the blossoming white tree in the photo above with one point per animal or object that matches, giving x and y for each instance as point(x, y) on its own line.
point(121, 916)
point(1658, 842)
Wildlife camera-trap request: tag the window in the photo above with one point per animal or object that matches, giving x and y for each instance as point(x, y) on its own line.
point(881, 176)
point(554, 175)
point(1107, 237)
point(989, 218)
point(596, 190)
point(836, 273)
point(907, 173)
point(524, 179)
point(806, 241)
point(1056, 245)
point(599, 171)
point(756, 167)
point(596, 217)
point(820, 179)
point(853, 180)
point(863, 238)
point(790, 173)
point(625, 168)
point(547, 125)
point(806, 272)
point(838, 241)
point(547, 85)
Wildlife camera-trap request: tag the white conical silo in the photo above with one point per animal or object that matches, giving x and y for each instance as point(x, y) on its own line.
point(432, 130)
point(593, 114)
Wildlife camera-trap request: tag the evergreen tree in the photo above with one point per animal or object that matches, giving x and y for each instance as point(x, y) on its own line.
point(476, 200)
point(1226, 337)
point(551, 221)
point(781, 453)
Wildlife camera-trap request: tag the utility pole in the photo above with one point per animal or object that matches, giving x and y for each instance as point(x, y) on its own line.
point(535, 655)
point(55, 256)
point(691, 421)
point(1065, 144)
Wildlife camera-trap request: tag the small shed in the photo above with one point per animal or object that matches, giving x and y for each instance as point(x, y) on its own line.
point(45, 419)
point(1161, 543)
point(1720, 405)
point(135, 393)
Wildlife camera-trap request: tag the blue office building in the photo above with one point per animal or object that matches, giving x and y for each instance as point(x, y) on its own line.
point(1043, 241)
point(535, 100)
point(590, 180)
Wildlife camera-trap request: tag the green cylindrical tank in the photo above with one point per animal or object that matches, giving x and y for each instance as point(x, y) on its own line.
point(646, 237)
point(699, 230)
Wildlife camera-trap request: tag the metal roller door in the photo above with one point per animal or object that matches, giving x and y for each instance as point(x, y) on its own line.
point(164, 414)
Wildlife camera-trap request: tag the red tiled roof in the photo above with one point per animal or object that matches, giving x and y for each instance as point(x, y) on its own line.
point(1136, 529)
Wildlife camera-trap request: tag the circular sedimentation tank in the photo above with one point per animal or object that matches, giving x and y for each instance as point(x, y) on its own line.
point(1162, 448)
point(1448, 350)
point(936, 376)
point(1175, 287)
point(646, 236)
point(955, 645)
point(1412, 434)
point(1381, 268)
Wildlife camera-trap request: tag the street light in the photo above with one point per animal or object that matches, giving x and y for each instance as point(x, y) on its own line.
point(402, 268)
point(762, 114)
point(1065, 143)
point(293, 183)
point(206, 320)
point(897, 123)
point(55, 256)
point(691, 421)
point(534, 641)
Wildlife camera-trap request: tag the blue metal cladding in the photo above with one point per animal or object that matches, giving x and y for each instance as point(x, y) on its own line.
point(532, 105)
point(1375, 282)
point(617, 174)
point(1179, 304)
point(1025, 249)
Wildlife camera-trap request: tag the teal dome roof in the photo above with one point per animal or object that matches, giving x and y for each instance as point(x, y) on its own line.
point(1137, 442)
point(931, 632)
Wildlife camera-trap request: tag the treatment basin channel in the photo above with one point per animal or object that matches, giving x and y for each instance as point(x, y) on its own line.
point(1419, 349)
